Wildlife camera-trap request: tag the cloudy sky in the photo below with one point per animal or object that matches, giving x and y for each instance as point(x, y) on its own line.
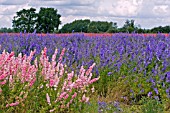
point(147, 13)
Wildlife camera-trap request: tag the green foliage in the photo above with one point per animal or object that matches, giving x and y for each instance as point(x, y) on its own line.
point(46, 21)
point(165, 29)
point(86, 26)
point(77, 26)
point(6, 30)
point(151, 106)
point(25, 20)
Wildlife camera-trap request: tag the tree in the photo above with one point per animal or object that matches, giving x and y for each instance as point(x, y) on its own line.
point(77, 26)
point(129, 26)
point(113, 28)
point(6, 30)
point(25, 20)
point(92, 29)
point(99, 26)
point(48, 20)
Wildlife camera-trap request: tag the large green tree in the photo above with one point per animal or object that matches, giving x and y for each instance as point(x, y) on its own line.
point(48, 20)
point(76, 26)
point(25, 20)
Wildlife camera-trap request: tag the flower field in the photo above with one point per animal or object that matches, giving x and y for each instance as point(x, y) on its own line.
point(87, 73)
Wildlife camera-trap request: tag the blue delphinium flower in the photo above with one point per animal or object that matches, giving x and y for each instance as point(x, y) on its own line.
point(168, 77)
point(149, 94)
point(101, 106)
point(156, 91)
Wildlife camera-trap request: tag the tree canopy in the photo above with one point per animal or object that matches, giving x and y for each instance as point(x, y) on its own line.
point(25, 20)
point(86, 26)
point(46, 21)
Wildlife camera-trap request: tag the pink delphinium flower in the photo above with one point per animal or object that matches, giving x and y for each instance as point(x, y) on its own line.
point(90, 69)
point(2, 76)
point(62, 95)
point(54, 58)
point(65, 97)
point(85, 99)
point(93, 89)
point(48, 99)
point(52, 110)
point(32, 81)
point(62, 54)
point(44, 52)
point(74, 95)
point(52, 82)
point(94, 80)
point(3, 82)
point(12, 104)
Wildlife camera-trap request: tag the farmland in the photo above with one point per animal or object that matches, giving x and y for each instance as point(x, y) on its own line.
point(121, 73)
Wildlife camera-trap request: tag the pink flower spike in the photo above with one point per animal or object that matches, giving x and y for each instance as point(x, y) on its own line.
point(48, 99)
point(62, 54)
point(12, 104)
point(44, 52)
point(32, 82)
point(3, 82)
point(74, 95)
point(62, 95)
point(2, 76)
point(66, 96)
point(52, 110)
point(94, 80)
point(52, 82)
point(90, 69)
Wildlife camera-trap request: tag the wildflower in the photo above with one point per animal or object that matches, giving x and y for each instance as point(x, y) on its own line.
point(2, 76)
point(109, 73)
point(94, 80)
point(52, 82)
point(156, 90)
point(149, 94)
point(62, 54)
point(84, 98)
point(3, 82)
point(168, 77)
point(12, 104)
point(67, 95)
point(52, 110)
point(48, 99)
point(32, 81)
point(90, 69)
point(62, 95)
point(92, 89)
point(74, 95)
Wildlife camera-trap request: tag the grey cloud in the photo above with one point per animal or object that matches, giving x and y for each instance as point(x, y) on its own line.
point(148, 12)
point(162, 2)
point(8, 10)
point(14, 2)
point(60, 3)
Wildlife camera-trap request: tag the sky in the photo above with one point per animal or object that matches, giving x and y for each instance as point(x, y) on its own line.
point(147, 13)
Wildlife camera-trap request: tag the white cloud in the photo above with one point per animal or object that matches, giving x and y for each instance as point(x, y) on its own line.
point(161, 9)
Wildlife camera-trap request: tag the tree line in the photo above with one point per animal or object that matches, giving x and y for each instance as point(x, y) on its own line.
point(47, 20)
